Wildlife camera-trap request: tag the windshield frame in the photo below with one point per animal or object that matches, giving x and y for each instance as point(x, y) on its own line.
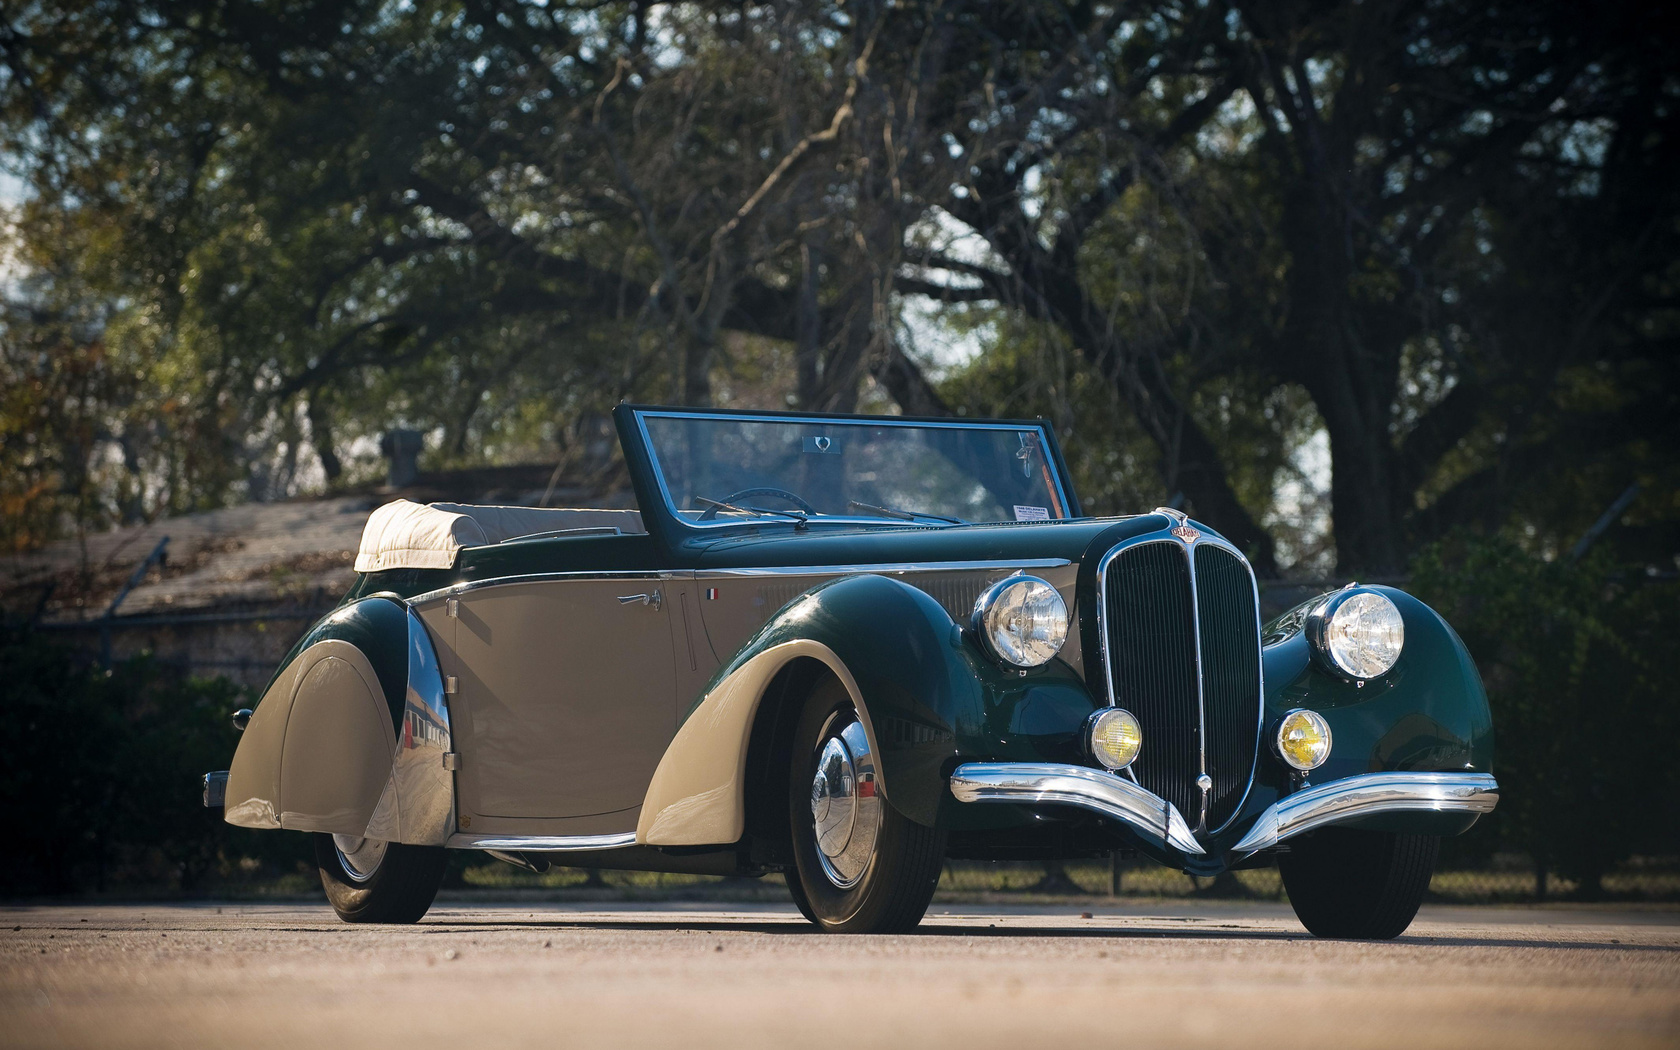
point(650, 458)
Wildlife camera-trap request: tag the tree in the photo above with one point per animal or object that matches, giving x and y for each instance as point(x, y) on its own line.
point(1440, 231)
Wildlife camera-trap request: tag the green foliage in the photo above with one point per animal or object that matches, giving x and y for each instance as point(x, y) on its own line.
point(103, 781)
point(1441, 235)
point(1578, 662)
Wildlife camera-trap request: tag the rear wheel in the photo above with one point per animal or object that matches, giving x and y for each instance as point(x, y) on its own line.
point(1358, 885)
point(861, 866)
point(372, 881)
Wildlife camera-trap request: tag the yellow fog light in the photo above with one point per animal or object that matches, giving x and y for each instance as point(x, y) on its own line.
point(1303, 739)
point(1115, 737)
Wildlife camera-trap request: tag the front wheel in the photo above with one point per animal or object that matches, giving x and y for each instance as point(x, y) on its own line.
point(861, 866)
point(1358, 885)
point(385, 882)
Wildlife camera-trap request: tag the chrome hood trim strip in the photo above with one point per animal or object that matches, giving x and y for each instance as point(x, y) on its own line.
point(1096, 790)
point(878, 568)
point(1368, 794)
point(542, 843)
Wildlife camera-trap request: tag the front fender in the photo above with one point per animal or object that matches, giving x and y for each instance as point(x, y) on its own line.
point(1427, 714)
point(350, 735)
point(924, 693)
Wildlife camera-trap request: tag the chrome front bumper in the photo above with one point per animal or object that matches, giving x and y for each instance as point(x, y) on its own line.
point(1112, 796)
point(1368, 794)
point(1093, 789)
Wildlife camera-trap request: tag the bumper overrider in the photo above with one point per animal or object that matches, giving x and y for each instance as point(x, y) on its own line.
point(1118, 798)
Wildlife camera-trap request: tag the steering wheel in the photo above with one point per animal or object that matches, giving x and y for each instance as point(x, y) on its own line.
point(762, 490)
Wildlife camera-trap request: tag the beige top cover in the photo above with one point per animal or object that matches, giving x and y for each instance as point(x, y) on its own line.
point(407, 535)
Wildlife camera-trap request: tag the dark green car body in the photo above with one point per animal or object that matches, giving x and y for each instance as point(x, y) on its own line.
point(938, 701)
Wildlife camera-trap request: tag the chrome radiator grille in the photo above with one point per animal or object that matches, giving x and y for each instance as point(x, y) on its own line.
point(1182, 633)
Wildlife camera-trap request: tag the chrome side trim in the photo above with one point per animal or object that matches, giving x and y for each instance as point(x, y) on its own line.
point(536, 577)
point(1026, 783)
point(542, 843)
point(889, 567)
point(884, 568)
point(424, 785)
point(1176, 518)
point(1367, 794)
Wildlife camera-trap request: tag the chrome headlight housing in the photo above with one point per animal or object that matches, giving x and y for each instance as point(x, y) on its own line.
point(1113, 737)
point(1357, 633)
point(1021, 621)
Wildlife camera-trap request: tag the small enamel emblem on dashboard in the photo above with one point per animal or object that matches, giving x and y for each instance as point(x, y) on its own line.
point(1186, 533)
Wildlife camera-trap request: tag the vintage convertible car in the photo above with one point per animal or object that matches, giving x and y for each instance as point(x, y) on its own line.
point(846, 648)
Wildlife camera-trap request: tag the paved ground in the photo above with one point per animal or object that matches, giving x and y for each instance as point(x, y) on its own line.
point(690, 976)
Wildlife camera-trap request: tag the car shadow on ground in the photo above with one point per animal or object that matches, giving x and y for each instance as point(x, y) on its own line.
point(1207, 932)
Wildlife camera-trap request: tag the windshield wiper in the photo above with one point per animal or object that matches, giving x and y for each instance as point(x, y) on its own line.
point(755, 511)
point(904, 515)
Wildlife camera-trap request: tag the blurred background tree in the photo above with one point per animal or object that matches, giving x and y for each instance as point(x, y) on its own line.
point(1335, 277)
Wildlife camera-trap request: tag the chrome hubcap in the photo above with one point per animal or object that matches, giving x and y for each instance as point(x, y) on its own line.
point(845, 811)
point(360, 857)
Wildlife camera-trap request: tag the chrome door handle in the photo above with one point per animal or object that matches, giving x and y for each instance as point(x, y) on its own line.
point(655, 599)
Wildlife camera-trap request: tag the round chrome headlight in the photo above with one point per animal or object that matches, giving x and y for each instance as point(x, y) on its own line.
point(1114, 737)
point(1357, 633)
point(1303, 739)
point(1021, 620)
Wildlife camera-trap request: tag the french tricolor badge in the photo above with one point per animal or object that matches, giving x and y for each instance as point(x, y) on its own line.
point(711, 594)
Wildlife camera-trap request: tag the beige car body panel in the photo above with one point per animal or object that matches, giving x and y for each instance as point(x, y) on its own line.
point(565, 712)
point(317, 755)
point(566, 700)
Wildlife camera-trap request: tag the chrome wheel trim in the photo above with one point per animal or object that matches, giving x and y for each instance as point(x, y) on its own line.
point(845, 810)
point(360, 858)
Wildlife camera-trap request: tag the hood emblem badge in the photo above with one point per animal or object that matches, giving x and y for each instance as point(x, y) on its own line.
point(1186, 533)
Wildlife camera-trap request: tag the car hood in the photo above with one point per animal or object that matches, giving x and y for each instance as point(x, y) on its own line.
point(782, 545)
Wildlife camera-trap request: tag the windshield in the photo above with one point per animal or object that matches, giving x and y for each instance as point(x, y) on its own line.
point(718, 469)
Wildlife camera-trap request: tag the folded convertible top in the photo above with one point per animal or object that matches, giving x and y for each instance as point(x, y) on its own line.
point(406, 535)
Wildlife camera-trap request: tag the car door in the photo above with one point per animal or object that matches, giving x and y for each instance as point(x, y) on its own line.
point(565, 699)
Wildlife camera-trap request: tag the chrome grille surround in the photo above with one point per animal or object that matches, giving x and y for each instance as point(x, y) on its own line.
point(1186, 539)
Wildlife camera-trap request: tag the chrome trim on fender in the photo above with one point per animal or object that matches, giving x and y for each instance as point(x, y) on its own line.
point(425, 786)
point(889, 567)
point(1368, 794)
point(542, 843)
point(1025, 783)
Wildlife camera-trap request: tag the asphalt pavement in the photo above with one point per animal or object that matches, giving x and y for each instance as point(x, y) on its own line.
point(1204, 974)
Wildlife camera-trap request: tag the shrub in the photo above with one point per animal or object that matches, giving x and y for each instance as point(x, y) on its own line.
point(1578, 659)
point(102, 779)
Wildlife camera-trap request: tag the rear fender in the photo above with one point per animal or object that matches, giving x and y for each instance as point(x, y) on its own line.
point(351, 736)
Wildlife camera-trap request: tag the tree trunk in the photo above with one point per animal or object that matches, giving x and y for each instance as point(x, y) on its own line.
point(808, 348)
point(697, 368)
point(1351, 375)
point(321, 436)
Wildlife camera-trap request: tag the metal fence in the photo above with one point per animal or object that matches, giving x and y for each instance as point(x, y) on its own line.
point(1509, 879)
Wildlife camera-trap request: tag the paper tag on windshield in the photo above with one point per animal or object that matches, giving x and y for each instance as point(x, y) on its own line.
point(1031, 513)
